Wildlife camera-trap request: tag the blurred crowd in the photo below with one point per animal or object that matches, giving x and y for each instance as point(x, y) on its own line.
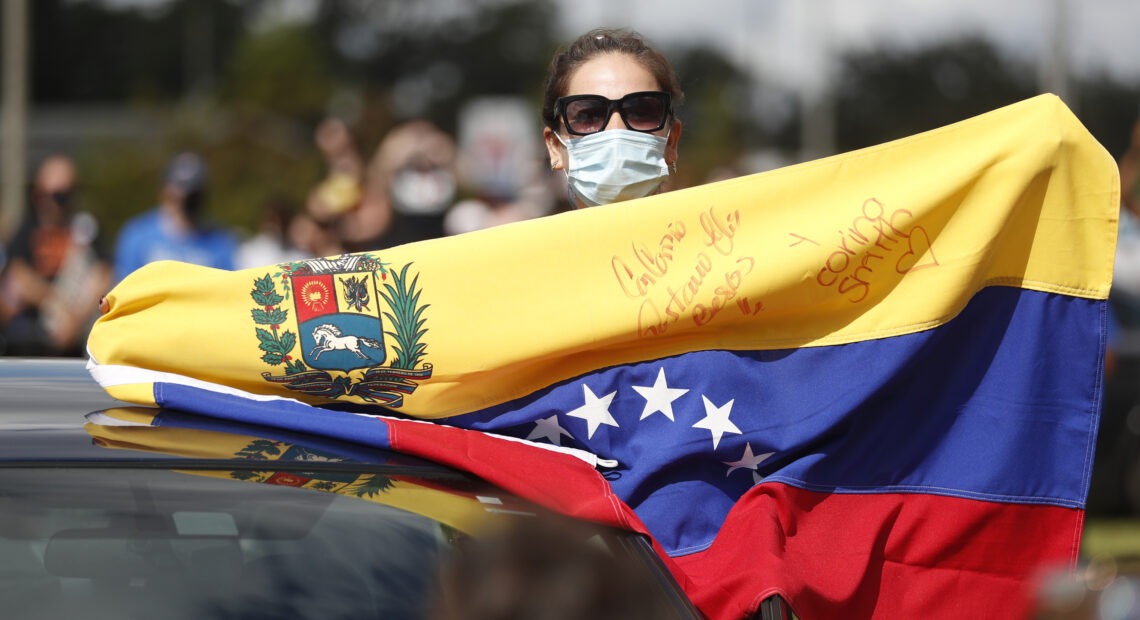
point(1115, 485)
point(415, 185)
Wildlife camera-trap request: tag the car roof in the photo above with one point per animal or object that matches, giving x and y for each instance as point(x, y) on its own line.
point(53, 415)
point(52, 410)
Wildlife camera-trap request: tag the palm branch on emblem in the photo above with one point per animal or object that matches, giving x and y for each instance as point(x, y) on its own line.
point(407, 317)
point(369, 485)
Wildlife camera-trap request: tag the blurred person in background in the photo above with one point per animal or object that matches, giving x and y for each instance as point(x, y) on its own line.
point(176, 229)
point(401, 196)
point(1114, 488)
point(273, 242)
point(409, 186)
point(314, 237)
point(1126, 274)
point(339, 192)
point(502, 170)
point(609, 109)
point(56, 272)
point(471, 214)
point(316, 230)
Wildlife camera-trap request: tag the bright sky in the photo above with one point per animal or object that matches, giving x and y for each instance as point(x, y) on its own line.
point(787, 38)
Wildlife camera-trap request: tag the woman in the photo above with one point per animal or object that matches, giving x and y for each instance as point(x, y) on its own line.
point(609, 107)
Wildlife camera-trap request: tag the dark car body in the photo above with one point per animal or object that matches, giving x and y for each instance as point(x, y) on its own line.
point(114, 511)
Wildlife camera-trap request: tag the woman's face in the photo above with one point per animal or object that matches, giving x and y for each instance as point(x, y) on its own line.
point(612, 76)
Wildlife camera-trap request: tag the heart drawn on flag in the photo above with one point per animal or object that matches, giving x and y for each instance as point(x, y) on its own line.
point(919, 249)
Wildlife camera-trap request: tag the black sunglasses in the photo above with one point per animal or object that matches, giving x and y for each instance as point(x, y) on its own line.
point(643, 111)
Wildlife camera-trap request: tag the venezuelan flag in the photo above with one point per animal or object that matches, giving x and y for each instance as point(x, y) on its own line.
point(870, 383)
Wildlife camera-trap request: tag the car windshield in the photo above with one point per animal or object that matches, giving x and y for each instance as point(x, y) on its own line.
point(89, 543)
point(139, 540)
point(134, 543)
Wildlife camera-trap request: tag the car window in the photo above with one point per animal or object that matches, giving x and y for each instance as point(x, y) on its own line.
point(98, 543)
point(158, 543)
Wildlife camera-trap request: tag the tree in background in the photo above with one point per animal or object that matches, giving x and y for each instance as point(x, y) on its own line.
point(888, 93)
point(227, 78)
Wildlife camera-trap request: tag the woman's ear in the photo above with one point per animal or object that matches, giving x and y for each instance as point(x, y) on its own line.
point(671, 144)
point(554, 148)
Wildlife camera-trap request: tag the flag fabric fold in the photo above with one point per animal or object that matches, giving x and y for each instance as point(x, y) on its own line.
point(864, 382)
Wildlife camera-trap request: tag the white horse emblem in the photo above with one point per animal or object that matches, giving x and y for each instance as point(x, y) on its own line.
point(328, 338)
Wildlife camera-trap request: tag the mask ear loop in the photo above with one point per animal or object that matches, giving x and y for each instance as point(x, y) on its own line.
point(668, 132)
point(566, 171)
point(566, 146)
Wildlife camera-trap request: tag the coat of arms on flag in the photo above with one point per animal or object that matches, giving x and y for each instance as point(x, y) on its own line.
point(339, 346)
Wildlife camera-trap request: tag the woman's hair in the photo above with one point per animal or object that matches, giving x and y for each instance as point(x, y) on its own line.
point(604, 41)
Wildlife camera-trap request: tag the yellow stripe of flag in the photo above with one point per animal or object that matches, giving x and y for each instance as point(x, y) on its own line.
point(882, 241)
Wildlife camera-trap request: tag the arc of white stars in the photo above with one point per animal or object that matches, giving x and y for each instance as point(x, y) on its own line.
point(748, 461)
point(596, 411)
point(549, 429)
point(659, 397)
point(716, 420)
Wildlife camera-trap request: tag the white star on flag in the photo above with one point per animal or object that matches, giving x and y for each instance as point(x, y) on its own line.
point(716, 420)
point(748, 461)
point(596, 411)
point(549, 429)
point(660, 397)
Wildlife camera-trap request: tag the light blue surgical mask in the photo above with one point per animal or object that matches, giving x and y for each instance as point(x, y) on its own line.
point(615, 165)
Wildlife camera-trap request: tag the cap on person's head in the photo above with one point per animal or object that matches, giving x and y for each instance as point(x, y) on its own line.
point(187, 172)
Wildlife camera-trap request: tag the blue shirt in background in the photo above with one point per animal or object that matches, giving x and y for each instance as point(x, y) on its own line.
point(148, 238)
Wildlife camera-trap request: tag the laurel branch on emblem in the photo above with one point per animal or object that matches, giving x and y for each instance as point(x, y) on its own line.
point(276, 344)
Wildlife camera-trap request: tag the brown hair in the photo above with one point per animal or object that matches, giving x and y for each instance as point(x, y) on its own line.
point(604, 41)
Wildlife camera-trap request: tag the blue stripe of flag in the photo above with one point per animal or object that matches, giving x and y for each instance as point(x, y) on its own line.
point(994, 405)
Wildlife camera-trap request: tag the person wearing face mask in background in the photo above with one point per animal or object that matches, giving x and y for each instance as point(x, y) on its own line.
point(409, 186)
point(176, 229)
point(57, 271)
point(609, 110)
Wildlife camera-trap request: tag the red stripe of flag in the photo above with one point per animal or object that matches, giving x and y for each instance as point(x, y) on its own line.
point(880, 555)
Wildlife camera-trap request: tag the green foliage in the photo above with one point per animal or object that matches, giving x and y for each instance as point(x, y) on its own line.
point(260, 449)
point(212, 76)
point(1108, 110)
point(889, 93)
point(714, 115)
point(273, 317)
point(407, 315)
point(117, 187)
point(427, 62)
point(265, 294)
point(279, 72)
point(276, 346)
point(132, 52)
point(370, 485)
